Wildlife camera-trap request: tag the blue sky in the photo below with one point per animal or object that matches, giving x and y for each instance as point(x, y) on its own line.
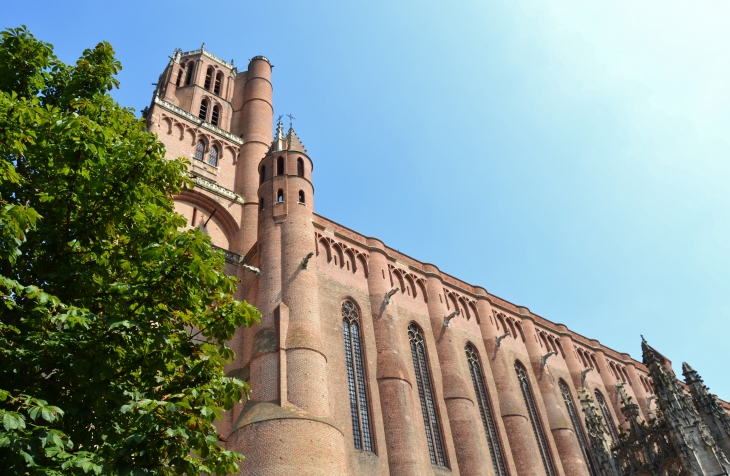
point(571, 157)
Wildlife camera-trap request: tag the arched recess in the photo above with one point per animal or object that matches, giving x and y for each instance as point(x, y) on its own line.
point(323, 248)
point(411, 285)
point(363, 265)
point(473, 309)
point(207, 204)
point(350, 264)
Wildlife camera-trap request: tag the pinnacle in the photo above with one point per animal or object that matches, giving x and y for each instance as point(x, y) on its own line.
point(293, 141)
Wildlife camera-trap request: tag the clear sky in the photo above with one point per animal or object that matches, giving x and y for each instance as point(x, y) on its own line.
point(571, 157)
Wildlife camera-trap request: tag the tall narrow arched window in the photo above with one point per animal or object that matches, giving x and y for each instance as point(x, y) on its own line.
point(300, 167)
point(215, 115)
point(607, 416)
point(213, 156)
point(485, 410)
point(262, 176)
point(577, 427)
point(208, 77)
point(280, 166)
point(203, 109)
point(199, 150)
point(280, 196)
point(179, 77)
point(218, 81)
point(534, 419)
point(261, 203)
point(301, 196)
point(356, 382)
point(189, 73)
point(425, 394)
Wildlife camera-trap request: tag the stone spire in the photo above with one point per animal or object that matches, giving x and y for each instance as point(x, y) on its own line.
point(278, 142)
point(293, 142)
point(699, 453)
point(714, 416)
point(597, 435)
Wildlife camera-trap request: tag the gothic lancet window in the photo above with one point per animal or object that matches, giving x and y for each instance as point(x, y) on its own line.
point(280, 166)
point(301, 196)
point(203, 109)
point(607, 416)
point(300, 167)
point(534, 419)
point(425, 394)
point(356, 377)
point(179, 78)
point(188, 73)
point(577, 427)
point(199, 150)
point(208, 78)
point(215, 115)
point(485, 409)
point(213, 157)
point(218, 80)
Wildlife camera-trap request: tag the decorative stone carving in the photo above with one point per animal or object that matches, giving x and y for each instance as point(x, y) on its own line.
point(213, 187)
point(715, 417)
point(196, 120)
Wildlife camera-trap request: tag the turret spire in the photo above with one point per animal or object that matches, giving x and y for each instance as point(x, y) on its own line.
point(714, 416)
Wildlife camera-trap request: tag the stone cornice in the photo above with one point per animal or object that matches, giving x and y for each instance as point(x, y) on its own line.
point(204, 52)
point(213, 187)
point(198, 121)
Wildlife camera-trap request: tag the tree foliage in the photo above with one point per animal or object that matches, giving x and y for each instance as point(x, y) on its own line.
point(113, 322)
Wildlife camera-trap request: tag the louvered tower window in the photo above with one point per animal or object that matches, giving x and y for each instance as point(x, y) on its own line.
point(607, 416)
point(356, 377)
point(208, 77)
point(534, 419)
point(215, 115)
point(217, 86)
point(203, 109)
point(425, 394)
point(485, 409)
point(577, 427)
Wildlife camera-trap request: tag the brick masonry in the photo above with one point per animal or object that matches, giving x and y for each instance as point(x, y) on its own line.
point(260, 206)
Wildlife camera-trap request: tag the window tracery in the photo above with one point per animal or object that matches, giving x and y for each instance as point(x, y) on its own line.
point(199, 150)
point(485, 410)
point(607, 417)
point(213, 156)
point(356, 382)
point(534, 419)
point(425, 394)
point(577, 427)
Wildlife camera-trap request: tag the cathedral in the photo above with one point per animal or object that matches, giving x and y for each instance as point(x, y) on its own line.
point(370, 362)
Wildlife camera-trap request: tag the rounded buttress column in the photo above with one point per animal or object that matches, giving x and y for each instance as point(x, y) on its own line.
point(636, 386)
point(467, 431)
point(569, 457)
point(521, 438)
point(256, 127)
point(394, 385)
point(287, 426)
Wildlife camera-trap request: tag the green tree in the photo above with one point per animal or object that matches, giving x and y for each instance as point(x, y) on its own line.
point(113, 322)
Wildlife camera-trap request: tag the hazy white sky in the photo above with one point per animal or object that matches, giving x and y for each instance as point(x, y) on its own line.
point(571, 157)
